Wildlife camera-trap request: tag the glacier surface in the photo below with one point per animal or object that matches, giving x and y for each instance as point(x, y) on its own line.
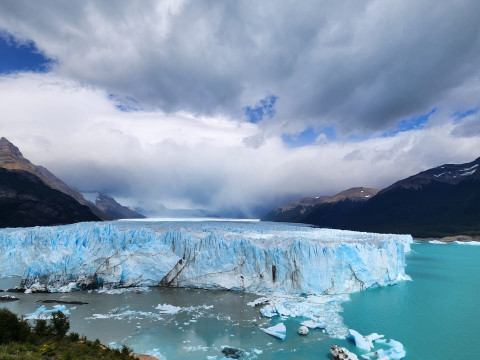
point(255, 257)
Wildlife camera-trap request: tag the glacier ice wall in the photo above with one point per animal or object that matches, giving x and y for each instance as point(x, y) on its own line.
point(255, 257)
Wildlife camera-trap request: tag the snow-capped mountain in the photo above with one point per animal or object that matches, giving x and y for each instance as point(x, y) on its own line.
point(297, 211)
point(437, 202)
point(452, 174)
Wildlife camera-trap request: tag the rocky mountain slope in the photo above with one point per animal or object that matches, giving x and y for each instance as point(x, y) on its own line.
point(335, 205)
point(441, 201)
point(438, 202)
point(110, 206)
point(31, 195)
point(25, 200)
point(11, 158)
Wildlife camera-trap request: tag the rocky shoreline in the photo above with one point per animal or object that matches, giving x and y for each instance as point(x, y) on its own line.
point(144, 357)
point(450, 239)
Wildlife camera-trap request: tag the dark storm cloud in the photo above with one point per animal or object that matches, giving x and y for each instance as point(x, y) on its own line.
point(147, 100)
point(360, 65)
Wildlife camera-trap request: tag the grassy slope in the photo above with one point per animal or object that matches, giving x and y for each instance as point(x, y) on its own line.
point(61, 349)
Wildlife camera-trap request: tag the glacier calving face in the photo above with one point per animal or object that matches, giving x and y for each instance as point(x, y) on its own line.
point(254, 257)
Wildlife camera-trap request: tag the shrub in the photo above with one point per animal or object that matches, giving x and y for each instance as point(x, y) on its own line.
point(48, 349)
point(68, 355)
point(74, 336)
point(126, 350)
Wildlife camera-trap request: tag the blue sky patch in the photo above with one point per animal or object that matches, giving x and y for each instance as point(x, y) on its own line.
point(15, 56)
point(265, 107)
point(126, 103)
point(357, 138)
point(308, 136)
point(413, 123)
point(463, 114)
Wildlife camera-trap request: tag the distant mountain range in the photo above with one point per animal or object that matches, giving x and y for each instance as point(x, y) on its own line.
point(160, 210)
point(110, 206)
point(31, 195)
point(299, 210)
point(438, 202)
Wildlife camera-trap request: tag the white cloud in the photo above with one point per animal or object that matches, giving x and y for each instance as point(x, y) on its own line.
point(200, 161)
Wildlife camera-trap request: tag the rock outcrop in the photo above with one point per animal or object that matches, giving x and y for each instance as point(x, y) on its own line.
point(340, 353)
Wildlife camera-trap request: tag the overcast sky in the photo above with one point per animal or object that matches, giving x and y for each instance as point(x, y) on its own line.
point(239, 104)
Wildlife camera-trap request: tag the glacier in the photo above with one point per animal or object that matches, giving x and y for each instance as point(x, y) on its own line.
point(255, 257)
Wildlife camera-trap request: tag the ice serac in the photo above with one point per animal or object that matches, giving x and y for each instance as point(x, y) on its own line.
point(258, 257)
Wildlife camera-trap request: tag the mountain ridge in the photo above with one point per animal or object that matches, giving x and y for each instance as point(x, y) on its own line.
point(31, 195)
point(296, 211)
point(437, 202)
point(25, 200)
point(108, 205)
point(11, 158)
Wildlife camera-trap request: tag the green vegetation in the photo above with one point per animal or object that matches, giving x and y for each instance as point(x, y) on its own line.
point(49, 341)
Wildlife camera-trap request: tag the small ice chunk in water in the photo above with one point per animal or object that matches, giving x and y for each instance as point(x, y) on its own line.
point(279, 331)
point(259, 301)
point(474, 243)
point(360, 341)
point(168, 309)
point(313, 324)
point(374, 337)
point(396, 351)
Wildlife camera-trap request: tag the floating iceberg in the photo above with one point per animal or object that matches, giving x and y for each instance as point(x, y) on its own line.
point(44, 314)
point(437, 242)
point(168, 309)
point(395, 351)
point(254, 257)
point(279, 331)
point(323, 311)
point(361, 342)
point(474, 243)
point(143, 289)
point(312, 324)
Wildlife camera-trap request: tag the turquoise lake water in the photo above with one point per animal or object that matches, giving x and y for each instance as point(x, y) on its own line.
point(436, 316)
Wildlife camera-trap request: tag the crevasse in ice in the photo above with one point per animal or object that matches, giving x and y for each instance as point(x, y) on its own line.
point(254, 257)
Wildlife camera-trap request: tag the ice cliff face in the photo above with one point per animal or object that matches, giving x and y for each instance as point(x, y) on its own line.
point(260, 257)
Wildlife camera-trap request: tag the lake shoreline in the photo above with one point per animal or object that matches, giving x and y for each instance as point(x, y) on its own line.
point(451, 239)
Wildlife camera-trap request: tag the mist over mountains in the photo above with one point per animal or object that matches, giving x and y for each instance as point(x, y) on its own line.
point(437, 202)
point(31, 195)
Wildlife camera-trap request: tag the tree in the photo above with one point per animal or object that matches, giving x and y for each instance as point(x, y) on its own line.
point(12, 328)
point(41, 327)
point(59, 324)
